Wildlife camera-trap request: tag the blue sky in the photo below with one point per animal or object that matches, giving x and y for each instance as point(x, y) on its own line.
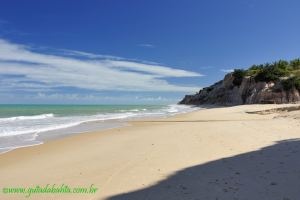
point(135, 51)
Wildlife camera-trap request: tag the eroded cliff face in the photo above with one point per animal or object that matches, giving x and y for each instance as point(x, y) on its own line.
point(248, 92)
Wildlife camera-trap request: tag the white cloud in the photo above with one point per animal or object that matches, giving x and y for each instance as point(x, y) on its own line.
point(94, 73)
point(75, 98)
point(227, 70)
point(89, 55)
point(147, 45)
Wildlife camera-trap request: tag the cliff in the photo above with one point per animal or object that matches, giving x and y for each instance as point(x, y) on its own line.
point(245, 90)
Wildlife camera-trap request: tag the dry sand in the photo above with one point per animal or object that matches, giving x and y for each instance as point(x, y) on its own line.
point(218, 153)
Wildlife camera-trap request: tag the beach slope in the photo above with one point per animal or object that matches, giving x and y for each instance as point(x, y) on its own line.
point(214, 153)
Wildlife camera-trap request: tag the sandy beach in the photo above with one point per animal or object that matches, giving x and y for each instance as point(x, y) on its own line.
point(216, 153)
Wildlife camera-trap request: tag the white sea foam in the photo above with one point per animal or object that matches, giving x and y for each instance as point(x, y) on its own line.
point(18, 118)
point(19, 126)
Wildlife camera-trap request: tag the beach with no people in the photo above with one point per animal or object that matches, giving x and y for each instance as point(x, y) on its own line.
point(213, 153)
point(149, 100)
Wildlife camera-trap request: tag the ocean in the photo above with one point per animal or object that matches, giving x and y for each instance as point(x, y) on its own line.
point(27, 125)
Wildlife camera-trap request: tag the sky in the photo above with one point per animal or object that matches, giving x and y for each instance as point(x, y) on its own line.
point(135, 51)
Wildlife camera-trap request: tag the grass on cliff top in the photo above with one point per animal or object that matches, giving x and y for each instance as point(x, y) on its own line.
point(288, 72)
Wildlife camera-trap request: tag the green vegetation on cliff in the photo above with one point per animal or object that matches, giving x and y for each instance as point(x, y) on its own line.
point(290, 83)
point(288, 72)
point(238, 75)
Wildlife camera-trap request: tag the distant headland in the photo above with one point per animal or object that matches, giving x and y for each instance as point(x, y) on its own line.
point(270, 83)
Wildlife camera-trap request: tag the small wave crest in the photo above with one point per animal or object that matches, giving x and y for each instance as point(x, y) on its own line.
point(33, 117)
point(21, 131)
point(47, 122)
point(42, 123)
point(28, 130)
point(175, 108)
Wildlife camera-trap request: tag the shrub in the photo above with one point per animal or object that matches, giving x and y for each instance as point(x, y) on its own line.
point(268, 72)
point(295, 64)
point(266, 76)
point(238, 75)
point(290, 83)
point(273, 72)
point(254, 70)
point(209, 89)
point(282, 64)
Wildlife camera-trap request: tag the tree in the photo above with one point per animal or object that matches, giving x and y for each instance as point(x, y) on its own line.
point(238, 75)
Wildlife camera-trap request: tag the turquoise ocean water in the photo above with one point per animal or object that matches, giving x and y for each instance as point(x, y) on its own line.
point(26, 125)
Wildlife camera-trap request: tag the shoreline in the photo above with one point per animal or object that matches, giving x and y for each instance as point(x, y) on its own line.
point(85, 127)
point(138, 157)
point(92, 124)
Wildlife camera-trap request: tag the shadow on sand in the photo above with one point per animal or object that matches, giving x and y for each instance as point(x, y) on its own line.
point(271, 173)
